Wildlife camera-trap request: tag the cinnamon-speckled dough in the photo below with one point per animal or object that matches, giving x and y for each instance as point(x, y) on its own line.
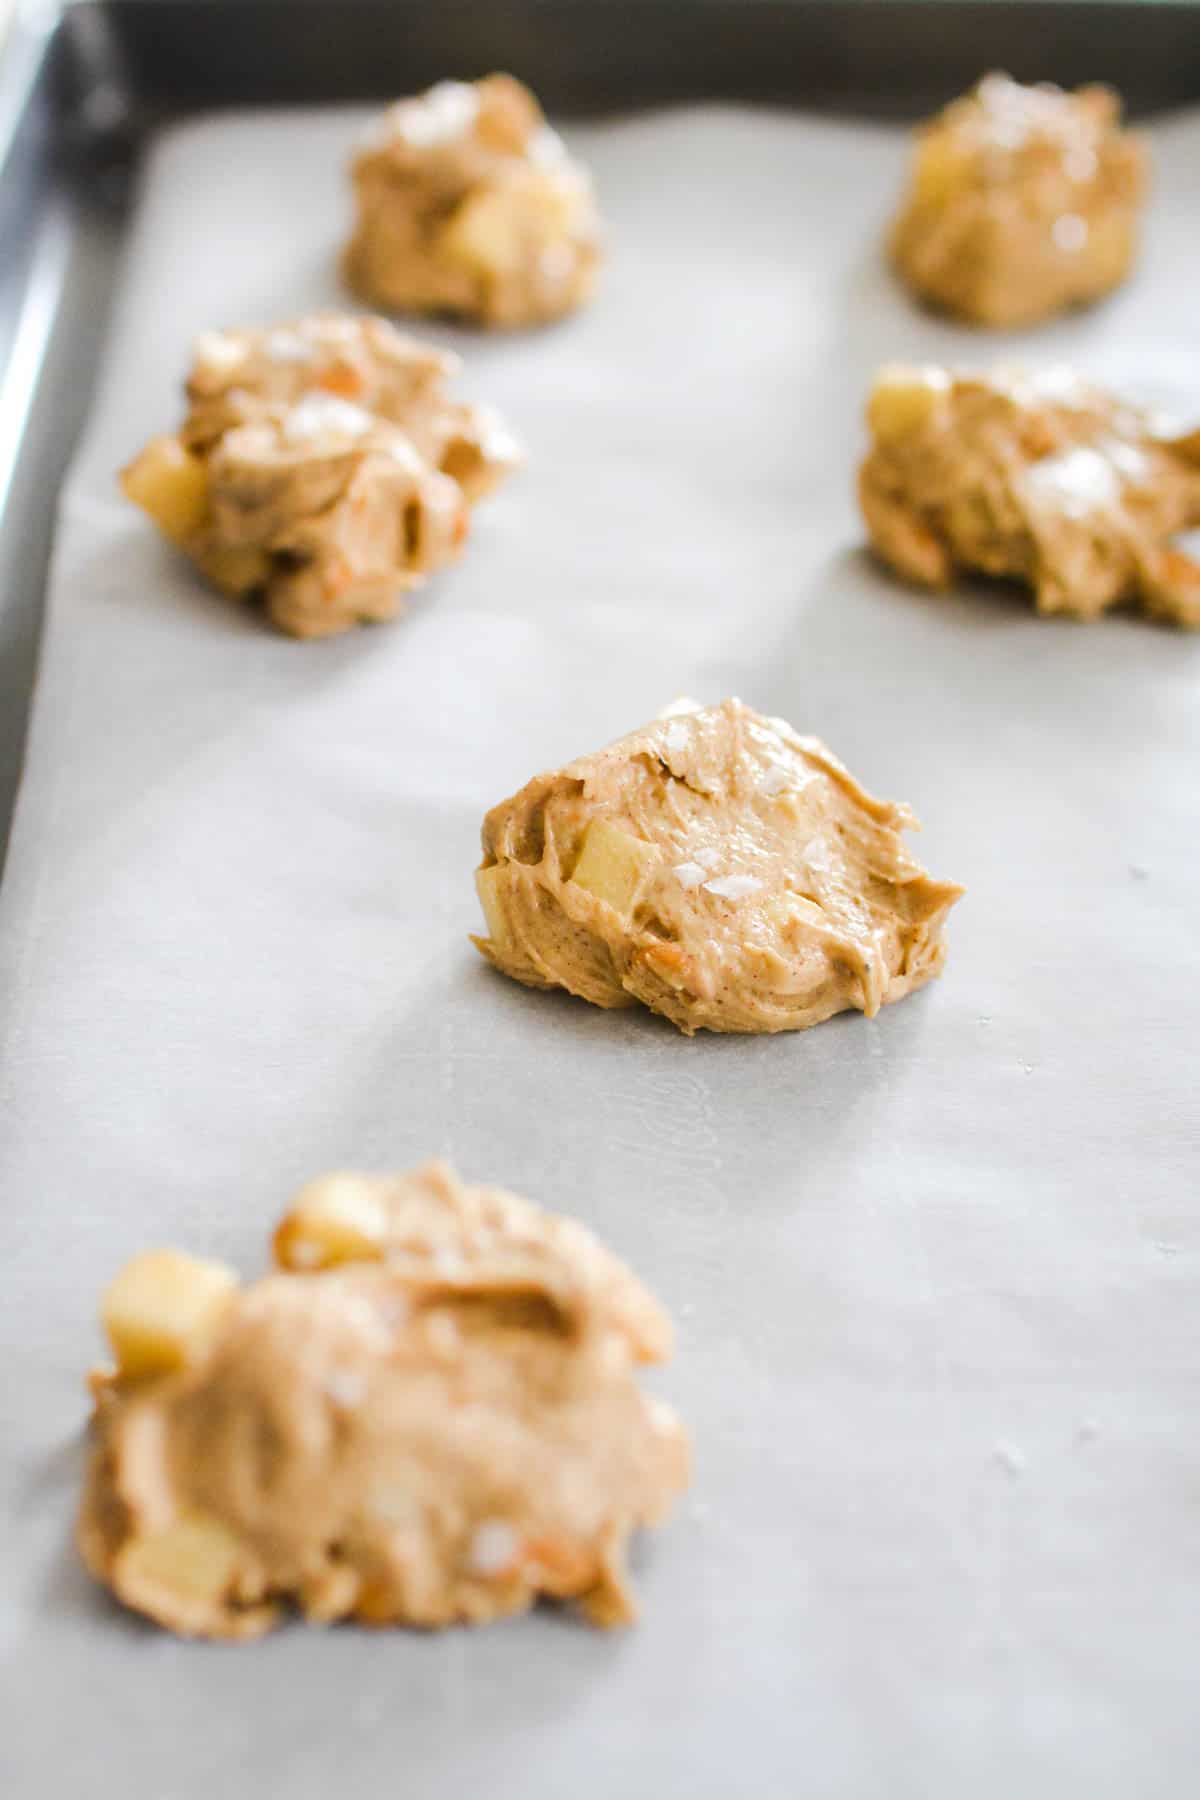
point(322, 466)
point(446, 1432)
point(1042, 478)
point(718, 867)
point(467, 203)
point(1024, 201)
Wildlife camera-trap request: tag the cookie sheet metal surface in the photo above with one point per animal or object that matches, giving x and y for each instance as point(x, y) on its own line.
point(935, 1274)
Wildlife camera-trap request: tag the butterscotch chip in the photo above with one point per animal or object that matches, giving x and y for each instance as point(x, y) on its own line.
point(321, 467)
point(468, 203)
point(1041, 478)
point(443, 1432)
point(717, 867)
point(1023, 201)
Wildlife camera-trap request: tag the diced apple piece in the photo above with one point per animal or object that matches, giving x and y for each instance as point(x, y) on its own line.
point(195, 1559)
point(338, 1219)
point(484, 234)
point(487, 886)
point(159, 1311)
point(903, 399)
point(492, 230)
point(613, 864)
point(171, 485)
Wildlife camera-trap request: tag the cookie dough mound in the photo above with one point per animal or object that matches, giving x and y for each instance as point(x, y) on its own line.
point(718, 867)
point(429, 1415)
point(467, 203)
point(321, 466)
point(1041, 478)
point(1024, 201)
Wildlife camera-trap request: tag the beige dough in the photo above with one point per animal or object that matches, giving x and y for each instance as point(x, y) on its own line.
point(467, 203)
point(431, 1415)
point(321, 466)
point(718, 867)
point(1038, 477)
point(1023, 201)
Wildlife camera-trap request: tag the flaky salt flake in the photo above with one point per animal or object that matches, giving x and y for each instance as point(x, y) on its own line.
point(401, 451)
point(494, 1547)
point(220, 353)
point(733, 887)
point(447, 111)
point(546, 148)
point(1070, 232)
point(1058, 381)
point(663, 1418)
point(346, 1386)
point(495, 439)
point(329, 330)
point(775, 778)
point(680, 707)
point(319, 414)
point(1079, 480)
point(1133, 463)
point(1080, 164)
point(689, 874)
point(675, 738)
point(287, 347)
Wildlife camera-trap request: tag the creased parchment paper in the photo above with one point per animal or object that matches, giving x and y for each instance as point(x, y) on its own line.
point(936, 1275)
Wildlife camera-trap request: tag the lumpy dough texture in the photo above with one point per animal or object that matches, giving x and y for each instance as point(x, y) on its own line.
point(1023, 201)
point(321, 466)
point(1041, 478)
point(717, 867)
point(467, 203)
point(429, 1415)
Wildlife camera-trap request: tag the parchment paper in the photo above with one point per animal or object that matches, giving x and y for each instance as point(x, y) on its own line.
point(935, 1275)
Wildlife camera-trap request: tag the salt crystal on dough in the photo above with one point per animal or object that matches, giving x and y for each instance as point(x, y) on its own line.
point(345, 1386)
point(493, 1547)
point(218, 351)
point(446, 112)
point(318, 414)
point(733, 887)
point(1081, 479)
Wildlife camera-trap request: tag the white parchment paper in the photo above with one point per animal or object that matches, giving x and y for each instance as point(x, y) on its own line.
point(935, 1275)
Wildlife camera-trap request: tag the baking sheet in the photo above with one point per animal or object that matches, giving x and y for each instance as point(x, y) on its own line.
point(935, 1274)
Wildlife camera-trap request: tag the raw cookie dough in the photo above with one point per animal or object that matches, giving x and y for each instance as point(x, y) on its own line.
point(717, 867)
point(1038, 477)
point(468, 204)
point(431, 1415)
point(1024, 201)
point(322, 466)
